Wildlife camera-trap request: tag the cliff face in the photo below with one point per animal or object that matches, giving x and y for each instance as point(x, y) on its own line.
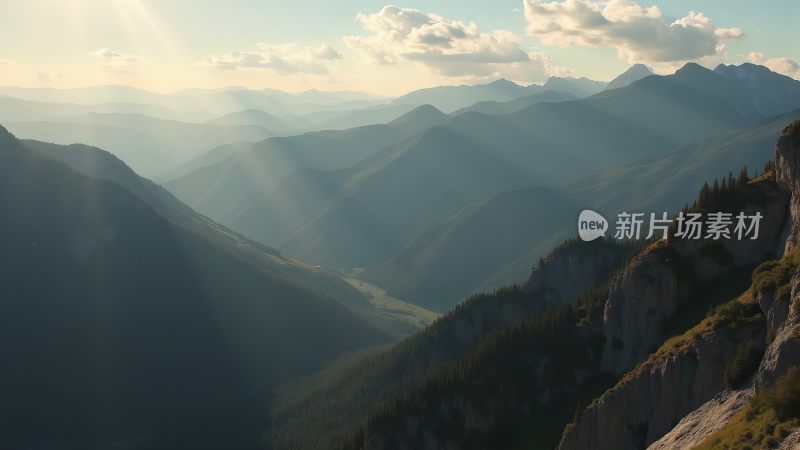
point(651, 400)
point(787, 174)
point(651, 289)
point(638, 302)
point(784, 351)
point(575, 268)
point(697, 425)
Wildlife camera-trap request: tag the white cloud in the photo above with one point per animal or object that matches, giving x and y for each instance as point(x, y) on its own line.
point(6, 62)
point(117, 62)
point(452, 48)
point(282, 58)
point(784, 65)
point(639, 33)
point(325, 51)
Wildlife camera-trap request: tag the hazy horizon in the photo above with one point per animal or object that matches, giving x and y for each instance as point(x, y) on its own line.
point(376, 47)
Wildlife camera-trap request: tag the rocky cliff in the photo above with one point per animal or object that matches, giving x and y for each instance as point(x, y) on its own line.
point(784, 351)
point(682, 375)
point(787, 174)
point(683, 379)
point(575, 267)
point(666, 277)
point(710, 417)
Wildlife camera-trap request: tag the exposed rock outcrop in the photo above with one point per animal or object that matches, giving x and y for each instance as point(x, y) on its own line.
point(650, 290)
point(639, 300)
point(712, 416)
point(784, 351)
point(787, 174)
point(683, 375)
point(792, 442)
point(574, 268)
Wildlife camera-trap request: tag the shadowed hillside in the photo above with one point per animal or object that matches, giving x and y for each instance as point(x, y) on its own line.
point(130, 327)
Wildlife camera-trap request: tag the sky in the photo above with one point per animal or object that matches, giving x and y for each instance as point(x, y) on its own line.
point(379, 47)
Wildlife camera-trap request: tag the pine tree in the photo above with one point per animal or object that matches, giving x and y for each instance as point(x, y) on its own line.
point(715, 191)
point(743, 177)
point(704, 197)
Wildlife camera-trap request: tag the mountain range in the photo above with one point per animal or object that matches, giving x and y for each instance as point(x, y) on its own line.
point(388, 208)
point(158, 134)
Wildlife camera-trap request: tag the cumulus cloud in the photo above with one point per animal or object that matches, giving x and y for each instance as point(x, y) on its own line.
point(639, 33)
point(450, 47)
point(325, 51)
point(117, 62)
point(784, 65)
point(283, 58)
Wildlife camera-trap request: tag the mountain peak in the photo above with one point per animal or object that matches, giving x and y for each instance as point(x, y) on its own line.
point(634, 73)
point(503, 82)
point(426, 108)
point(637, 69)
point(743, 66)
point(694, 73)
point(746, 71)
point(420, 116)
point(691, 68)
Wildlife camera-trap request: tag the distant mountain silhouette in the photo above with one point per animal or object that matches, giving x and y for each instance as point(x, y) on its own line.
point(254, 117)
point(635, 73)
point(20, 110)
point(397, 194)
point(366, 214)
point(772, 92)
point(247, 178)
point(214, 101)
point(343, 120)
point(148, 144)
point(451, 98)
point(419, 118)
point(579, 87)
point(493, 107)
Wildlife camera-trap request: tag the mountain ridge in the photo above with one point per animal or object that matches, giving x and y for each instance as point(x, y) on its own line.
point(166, 290)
